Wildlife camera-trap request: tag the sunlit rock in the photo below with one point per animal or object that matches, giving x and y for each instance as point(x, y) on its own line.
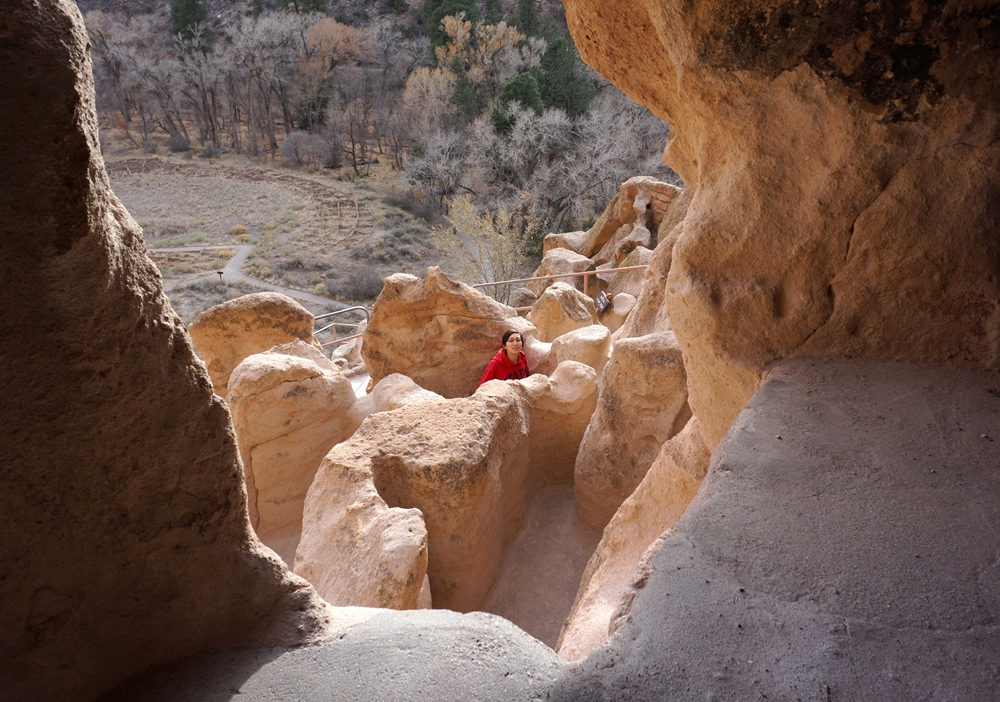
point(228, 333)
point(355, 550)
point(439, 333)
point(642, 402)
point(657, 503)
point(559, 309)
point(288, 411)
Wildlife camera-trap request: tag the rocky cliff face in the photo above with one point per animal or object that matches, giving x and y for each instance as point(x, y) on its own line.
point(841, 159)
point(124, 539)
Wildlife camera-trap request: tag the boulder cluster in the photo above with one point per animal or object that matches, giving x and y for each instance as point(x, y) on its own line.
point(408, 495)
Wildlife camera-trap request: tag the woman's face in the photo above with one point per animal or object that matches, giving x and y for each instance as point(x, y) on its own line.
point(513, 345)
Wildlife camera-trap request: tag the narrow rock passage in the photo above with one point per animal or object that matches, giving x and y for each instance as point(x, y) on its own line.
point(541, 569)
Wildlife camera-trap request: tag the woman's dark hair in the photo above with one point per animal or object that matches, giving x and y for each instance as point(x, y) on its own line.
point(507, 334)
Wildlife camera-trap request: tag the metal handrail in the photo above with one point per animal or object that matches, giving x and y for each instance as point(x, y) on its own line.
point(334, 325)
point(367, 312)
point(585, 274)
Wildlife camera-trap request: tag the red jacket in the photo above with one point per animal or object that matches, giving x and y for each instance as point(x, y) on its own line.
point(500, 368)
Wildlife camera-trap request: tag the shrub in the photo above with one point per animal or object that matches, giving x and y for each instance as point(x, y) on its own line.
point(238, 230)
point(308, 150)
point(243, 239)
point(178, 143)
point(411, 201)
point(363, 283)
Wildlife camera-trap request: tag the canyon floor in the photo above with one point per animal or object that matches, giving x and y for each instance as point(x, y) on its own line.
point(327, 234)
point(842, 548)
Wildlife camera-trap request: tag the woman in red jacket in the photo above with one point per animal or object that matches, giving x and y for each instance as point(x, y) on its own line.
point(510, 363)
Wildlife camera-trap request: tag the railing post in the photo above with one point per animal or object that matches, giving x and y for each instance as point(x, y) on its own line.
point(586, 277)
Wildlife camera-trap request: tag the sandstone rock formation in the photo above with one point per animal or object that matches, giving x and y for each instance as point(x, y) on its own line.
point(124, 541)
point(559, 309)
point(558, 261)
point(630, 282)
point(629, 539)
point(863, 218)
point(393, 391)
point(589, 345)
point(837, 546)
point(350, 351)
point(559, 409)
point(289, 408)
point(641, 204)
point(521, 297)
point(463, 463)
point(574, 241)
point(615, 316)
point(642, 402)
point(228, 333)
point(355, 550)
point(439, 333)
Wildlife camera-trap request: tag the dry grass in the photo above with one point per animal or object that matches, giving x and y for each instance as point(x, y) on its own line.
point(314, 232)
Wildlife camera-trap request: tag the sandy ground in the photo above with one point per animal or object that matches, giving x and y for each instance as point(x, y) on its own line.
point(542, 567)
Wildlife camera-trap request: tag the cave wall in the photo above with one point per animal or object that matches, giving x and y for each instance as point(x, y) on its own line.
point(843, 162)
point(124, 539)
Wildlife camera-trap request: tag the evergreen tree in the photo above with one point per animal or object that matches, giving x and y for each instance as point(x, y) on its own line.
point(184, 14)
point(492, 11)
point(436, 10)
point(522, 89)
point(464, 97)
point(528, 21)
point(562, 81)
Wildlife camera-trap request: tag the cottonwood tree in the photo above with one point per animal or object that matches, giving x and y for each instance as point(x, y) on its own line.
point(492, 241)
point(613, 141)
point(488, 54)
point(267, 49)
point(329, 46)
point(437, 164)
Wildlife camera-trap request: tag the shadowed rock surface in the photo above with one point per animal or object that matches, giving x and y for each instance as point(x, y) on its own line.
point(124, 539)
point(842, 547)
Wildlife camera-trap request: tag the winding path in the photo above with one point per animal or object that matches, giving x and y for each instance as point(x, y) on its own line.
point(232, 273)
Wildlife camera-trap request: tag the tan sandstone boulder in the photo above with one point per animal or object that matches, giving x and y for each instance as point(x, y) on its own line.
point(559, 309)
point(560, 262)
point(843, 196)
point(463, 463)
point(228, 333)
point(574, 241)
point(560, 407)
point(630, 281)
point(357, 551)
point(288, 411)
point(655, 506)
point(588, 345)
point(642, 402)
point(439, 333)
point(392, 392)
point(124, 541)
point(348, 354)
point(617, 313)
